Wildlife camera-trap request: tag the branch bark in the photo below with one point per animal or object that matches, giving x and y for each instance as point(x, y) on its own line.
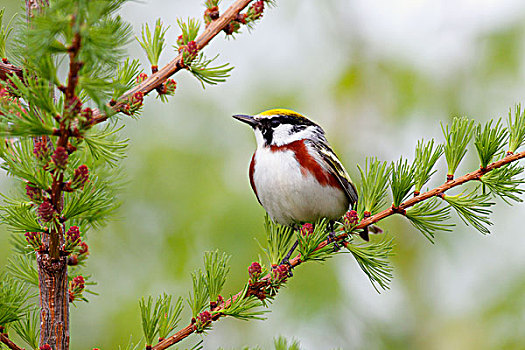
point(8, 342)
point(296, 261)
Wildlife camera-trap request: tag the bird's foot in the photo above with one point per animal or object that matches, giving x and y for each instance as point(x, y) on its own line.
point(330, 239)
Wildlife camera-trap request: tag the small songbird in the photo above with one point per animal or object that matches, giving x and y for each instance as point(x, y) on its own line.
point(294, 173)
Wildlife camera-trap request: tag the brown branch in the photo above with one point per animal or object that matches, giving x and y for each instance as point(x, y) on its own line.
point(6, 69)
point(296, 261)
point(5, 339)
point(157, 79)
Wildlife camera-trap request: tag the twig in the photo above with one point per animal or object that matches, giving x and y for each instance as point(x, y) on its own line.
point(475, 175)
point(157, 79)
point(5, 339)
point(7, 69)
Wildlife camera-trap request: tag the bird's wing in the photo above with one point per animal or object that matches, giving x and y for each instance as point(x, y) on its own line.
point(334, 166)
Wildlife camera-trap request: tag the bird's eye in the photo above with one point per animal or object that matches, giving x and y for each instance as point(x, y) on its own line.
point(274, 123)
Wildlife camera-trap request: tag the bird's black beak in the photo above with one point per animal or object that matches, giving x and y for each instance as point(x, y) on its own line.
point(248, 119)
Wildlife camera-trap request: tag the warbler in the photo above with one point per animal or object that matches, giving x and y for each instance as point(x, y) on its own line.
point(294, 173)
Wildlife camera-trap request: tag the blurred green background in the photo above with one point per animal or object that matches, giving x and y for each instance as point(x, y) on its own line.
point(378, 76)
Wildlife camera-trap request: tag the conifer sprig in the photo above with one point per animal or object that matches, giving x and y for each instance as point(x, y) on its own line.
point(505, 183)
point(516, 128)
point(457, 138)
point(489, 141)
point(373, 259)
point(216, 269)
point(153, 44)
point(429, 217)
point(198, 298)
point(279, 240)
point(472, 208)
point(169, 315)
point(5, 31)
point(13, 298)
point(28, 328)
point(149, 311)
point(372, 190)
point(200, 68)
point(425, 158)
point(401, 180)
point(309, 241)
point(244, 307)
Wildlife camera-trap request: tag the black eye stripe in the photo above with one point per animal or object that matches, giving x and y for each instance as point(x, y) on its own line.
point(286, 119)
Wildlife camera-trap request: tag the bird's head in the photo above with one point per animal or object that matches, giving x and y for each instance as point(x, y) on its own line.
point(278, 127)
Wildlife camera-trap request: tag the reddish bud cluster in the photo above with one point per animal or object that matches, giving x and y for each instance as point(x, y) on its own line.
point(33, 192)
point(350, 218)
point(280, 273)
point(73, 234)
point(3, 92)
point(86, 117)
point(169, 87)
point(46, 212)
point(60, 157)
point(211, 14)
point(41, 150)
point(232, 27)
point(46, 347)
point(203, 318)
point(75, 105)
point(254, 270)
point(307, 229)
point(84, 249)
point(138, 98)
point(83, 252)
point(141, 77)
point(192, 48)
point(35, 240)
point(81, 176)
point(180, 41)
point(76, 287)
point(256, 10)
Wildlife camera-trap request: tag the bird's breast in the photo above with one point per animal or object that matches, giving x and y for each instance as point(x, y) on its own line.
point(291, 192)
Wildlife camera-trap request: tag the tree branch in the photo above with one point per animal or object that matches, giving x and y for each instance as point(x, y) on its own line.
point(296, 261)
point(7, 69)
point(5, 339)
point(155, 80)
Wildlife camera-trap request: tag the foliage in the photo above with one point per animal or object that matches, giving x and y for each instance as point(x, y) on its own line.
point(457, 138)
point(153, 45)
point(278, 239)
point(12, 300)
point(5, 31)
point(489, 141)
point(374, 181)
point(516, 128)
point(216, 269)
point(159, 317)
point(209, 75)
point(424, 161)
point(309, 242)
point(429, 217)
point(245, 307)
point(373, 260)
point(401, 181)
point(504, 183)
point(28, 329)
point(472, 209)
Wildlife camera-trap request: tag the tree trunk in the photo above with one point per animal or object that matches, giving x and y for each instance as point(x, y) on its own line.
point(54, 302)
point(52, 272)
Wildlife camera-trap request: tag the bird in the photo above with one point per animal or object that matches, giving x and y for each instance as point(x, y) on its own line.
point(294, 173)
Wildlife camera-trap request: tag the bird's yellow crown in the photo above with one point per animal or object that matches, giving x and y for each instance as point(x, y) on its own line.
point(281, 111)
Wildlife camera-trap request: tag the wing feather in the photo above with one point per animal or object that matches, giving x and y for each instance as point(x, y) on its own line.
point(334, 166)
